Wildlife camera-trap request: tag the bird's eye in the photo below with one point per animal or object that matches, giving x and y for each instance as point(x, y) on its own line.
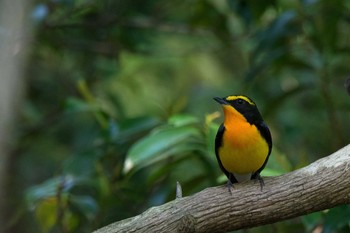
point(240, 101)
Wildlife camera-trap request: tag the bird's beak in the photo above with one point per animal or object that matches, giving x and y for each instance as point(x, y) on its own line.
point(220, 100)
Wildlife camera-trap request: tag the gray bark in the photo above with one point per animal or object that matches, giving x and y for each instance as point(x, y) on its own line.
point(14, 36)
point(321, 185)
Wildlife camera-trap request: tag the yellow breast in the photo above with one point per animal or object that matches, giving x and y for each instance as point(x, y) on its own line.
point(243, 149)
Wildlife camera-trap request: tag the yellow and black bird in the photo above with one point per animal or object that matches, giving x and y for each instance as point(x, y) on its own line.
point(243, 142)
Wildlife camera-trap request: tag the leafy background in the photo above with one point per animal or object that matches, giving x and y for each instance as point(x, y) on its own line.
point(119, 103)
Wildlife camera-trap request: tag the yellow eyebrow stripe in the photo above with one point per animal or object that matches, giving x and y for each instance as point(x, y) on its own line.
point(234, 97)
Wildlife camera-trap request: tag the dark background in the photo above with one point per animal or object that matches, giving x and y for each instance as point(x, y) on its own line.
point(118, 103)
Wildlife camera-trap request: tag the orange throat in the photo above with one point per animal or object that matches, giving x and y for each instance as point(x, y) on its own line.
point(243, 149)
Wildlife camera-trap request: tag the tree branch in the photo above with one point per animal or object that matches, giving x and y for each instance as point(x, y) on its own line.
point(321, 185)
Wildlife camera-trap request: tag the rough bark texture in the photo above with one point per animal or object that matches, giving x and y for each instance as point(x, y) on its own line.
point(321, 185)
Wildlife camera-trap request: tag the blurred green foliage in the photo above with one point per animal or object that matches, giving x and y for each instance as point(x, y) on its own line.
point(119, 103)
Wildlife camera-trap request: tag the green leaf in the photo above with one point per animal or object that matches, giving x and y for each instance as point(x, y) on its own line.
point(132, 127)
point(157, 144)
point(49, 189)
point(337, 218)
point(46, 214)
point(81, 165)
point(47, 217)
point(73, 104)
point(182, 120)
point(310, 221)
point(86, 205)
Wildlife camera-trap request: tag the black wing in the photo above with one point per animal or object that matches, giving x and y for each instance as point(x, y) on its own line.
point(218, 144)
point(265, 132)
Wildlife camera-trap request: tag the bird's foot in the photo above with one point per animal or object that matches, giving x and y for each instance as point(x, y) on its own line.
point(229, 185)
point(261, 181)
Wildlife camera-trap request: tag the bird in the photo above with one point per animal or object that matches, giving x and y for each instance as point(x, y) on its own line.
point(243, 142)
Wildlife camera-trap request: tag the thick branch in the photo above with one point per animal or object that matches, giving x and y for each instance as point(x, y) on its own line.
point(321, 185)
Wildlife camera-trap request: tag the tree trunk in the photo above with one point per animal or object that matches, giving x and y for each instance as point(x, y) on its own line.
point(15, 32)
point(321, 185)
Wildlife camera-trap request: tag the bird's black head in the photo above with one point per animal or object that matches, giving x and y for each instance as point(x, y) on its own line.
point(243, 105)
